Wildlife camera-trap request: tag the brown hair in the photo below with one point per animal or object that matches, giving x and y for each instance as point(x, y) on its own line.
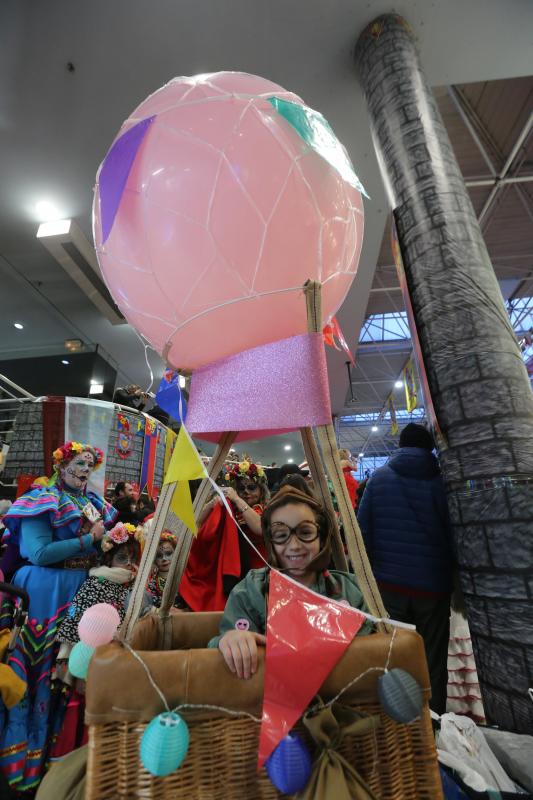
point(290, 494)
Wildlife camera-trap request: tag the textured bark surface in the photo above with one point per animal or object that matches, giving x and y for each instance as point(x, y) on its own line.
point(478, 382)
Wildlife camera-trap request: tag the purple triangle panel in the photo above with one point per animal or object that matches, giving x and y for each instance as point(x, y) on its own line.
point(115, 170)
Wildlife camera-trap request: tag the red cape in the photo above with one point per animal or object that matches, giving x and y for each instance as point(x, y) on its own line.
point(214, 554)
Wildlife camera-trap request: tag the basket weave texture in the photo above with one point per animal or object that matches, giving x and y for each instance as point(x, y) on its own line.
point(398, 761)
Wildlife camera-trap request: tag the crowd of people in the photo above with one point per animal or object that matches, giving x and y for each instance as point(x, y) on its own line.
point(69, 549)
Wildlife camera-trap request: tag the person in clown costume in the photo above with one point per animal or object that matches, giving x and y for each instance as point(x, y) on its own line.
point(54, 535)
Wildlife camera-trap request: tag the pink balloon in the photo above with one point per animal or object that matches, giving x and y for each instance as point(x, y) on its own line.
point(98, 624)
point(225, 213)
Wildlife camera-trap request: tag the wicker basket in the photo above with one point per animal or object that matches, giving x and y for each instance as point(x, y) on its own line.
point(398, 761)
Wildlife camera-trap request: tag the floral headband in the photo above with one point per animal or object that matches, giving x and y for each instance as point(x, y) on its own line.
point(68, 450)
point(121, 533)
point(169, 537)
point(245, 469)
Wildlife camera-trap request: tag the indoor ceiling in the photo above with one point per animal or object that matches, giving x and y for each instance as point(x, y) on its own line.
point(71, 71)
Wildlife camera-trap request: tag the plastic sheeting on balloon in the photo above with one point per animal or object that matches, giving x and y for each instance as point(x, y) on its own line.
point(220, 197)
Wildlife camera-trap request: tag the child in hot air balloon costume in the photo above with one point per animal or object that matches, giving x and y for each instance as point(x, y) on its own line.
point(298, 532)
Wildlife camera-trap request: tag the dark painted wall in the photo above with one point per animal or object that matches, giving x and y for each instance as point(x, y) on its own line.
point(47, 375)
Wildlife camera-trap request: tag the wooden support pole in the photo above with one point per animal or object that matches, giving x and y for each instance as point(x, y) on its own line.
point(330, 455)
point(312, 455)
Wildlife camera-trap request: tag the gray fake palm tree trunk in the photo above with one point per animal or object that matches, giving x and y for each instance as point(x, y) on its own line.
point(478, 382)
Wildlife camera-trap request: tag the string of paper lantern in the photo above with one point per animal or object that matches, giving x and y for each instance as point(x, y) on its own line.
point(165, 741)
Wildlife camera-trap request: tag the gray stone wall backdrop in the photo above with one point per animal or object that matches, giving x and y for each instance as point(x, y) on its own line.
point(25, 455)
point(478, 382)
point(26, 452)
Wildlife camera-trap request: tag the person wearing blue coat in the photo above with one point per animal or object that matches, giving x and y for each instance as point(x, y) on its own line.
point(405, 524)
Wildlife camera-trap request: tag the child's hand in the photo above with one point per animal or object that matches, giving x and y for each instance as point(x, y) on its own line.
point(239, 649)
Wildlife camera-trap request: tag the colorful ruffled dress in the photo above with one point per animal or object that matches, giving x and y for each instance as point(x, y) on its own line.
point(53, 557)
point(155, 588)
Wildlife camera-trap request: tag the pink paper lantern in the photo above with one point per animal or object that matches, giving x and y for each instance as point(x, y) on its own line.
point(98, 624)
point(211, 210)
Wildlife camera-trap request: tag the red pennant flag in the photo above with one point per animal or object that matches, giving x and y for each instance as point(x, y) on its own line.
point(306, 636)
point(332, 332)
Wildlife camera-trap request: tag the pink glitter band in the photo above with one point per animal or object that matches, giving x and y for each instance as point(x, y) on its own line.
point(275, 388)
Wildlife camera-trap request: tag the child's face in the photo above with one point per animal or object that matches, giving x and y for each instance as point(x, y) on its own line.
point(165, 551)
point(124, 558)
point(296, 552)
point(249, 491)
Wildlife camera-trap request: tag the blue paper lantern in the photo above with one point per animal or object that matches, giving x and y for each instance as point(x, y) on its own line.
point(400, 695)
point(164, 744)
point(289, 766)
point(78, 662)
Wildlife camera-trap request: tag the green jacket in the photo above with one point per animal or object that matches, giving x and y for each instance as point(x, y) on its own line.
point(247, 601)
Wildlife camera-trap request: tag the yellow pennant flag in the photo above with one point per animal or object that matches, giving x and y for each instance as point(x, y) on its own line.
point(410, 386)
point(185, 465)
point(181, 505)
point(169, 449)
point(393, 418)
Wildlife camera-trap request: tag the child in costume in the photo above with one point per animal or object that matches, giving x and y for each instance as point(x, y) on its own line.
point(158, 579)
point(297, 532)
point(108, 583)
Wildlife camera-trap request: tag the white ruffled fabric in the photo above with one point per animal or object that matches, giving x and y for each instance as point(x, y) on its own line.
point(464, 695)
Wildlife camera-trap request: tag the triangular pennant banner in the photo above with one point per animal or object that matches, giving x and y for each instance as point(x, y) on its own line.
point(185, 465)
point(332, 332)
point(181, 505)
point(115, 170)
point(303, 629)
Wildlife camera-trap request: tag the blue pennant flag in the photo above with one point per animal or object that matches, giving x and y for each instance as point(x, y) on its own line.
point(169, 396)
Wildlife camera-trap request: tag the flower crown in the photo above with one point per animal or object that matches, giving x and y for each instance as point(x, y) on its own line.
point(68, 450)
point(245, 469)
point(169, 537)
point(121, 533)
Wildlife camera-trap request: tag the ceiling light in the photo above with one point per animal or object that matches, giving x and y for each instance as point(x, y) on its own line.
point(74, 345)
point(18, 325)
point(290, 460)
point(182, 381)
point(374, 429)
point(64, 361)
point(47, 211)
point(96, 388)
point(361, 455)
point(58, 227)
point(398, 384)
point(287, 447)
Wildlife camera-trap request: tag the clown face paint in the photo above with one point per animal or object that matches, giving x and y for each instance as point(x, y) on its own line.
point(75, 473)
point(164, 554)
